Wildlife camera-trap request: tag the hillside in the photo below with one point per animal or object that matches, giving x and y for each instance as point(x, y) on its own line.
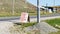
point(6, 7)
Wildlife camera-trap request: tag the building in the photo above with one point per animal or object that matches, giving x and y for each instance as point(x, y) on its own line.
point(54, 9)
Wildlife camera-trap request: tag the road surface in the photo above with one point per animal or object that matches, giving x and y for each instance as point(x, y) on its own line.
point(43, 17)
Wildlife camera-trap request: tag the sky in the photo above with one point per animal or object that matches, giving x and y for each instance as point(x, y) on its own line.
point(44, 2)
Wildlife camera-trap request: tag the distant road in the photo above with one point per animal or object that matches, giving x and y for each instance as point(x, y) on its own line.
point(42, 17)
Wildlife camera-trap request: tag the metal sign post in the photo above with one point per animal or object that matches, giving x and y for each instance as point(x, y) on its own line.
point(38, 12)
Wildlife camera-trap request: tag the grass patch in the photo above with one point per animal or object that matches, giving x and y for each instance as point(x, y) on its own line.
point(26, 24)
point(55, 32)
point(54, 22)
point(23, 25)
point(18, 13)
point(8, 14)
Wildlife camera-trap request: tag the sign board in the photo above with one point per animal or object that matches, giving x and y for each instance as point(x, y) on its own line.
point(24, 17)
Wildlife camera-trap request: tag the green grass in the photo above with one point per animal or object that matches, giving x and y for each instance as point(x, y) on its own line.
point(26, 24)
point(55, 32)
point(16, 13)
point(8, 15)
point(23, 25)
point(54, 22)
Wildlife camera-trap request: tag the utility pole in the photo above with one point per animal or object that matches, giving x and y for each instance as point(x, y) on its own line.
point(13, 7)
point(38, 12)
point(46, 7)
point(54, 2)
point(54, 7)
point(26, 5)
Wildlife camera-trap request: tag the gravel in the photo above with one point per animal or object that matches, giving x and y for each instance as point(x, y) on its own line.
point(10, 28)
point(4, 27)
point(46, 28)
point(40, 28)
point(43, 27)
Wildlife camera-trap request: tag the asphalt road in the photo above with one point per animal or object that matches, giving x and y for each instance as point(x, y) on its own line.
point(17, 18)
